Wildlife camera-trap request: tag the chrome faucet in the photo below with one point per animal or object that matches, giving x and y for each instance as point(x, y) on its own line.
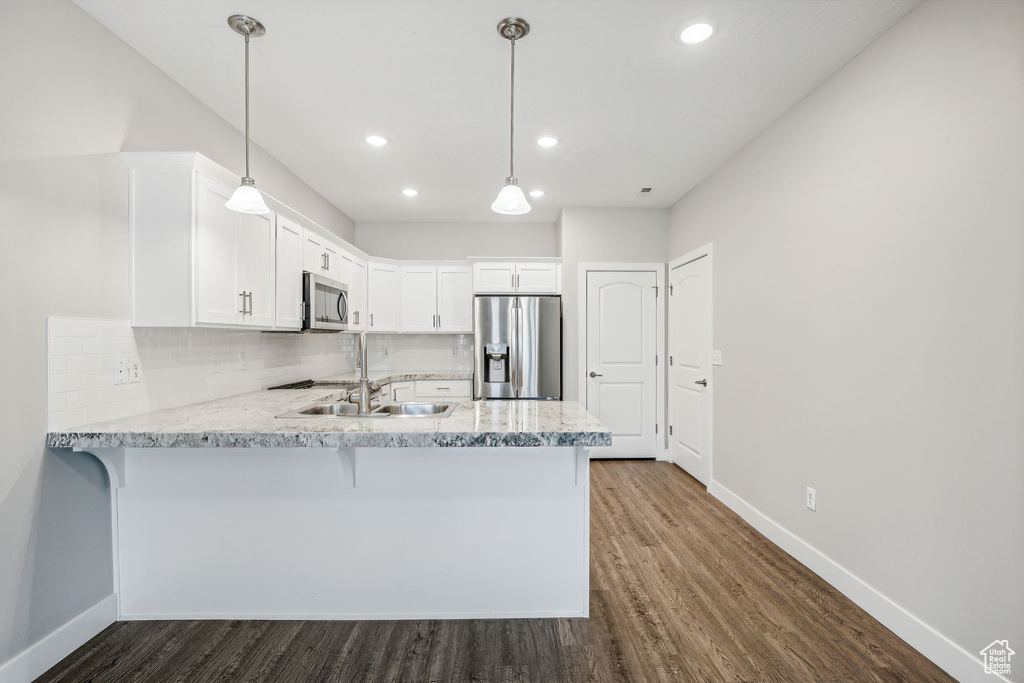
point(363, 392)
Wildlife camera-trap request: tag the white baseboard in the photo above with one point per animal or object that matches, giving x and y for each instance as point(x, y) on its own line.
point(316, 616)
point(953, 659)
point(37, 659)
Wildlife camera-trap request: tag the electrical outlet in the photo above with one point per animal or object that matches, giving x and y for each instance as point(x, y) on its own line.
point(455, 351)
point(134, 370)
point(121, 371)
point(385, 352)
point(811, 495)
point(241, 360)
point(716, 357)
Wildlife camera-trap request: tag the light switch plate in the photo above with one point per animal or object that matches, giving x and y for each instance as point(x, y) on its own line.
point(121, 371)
point(716, 357)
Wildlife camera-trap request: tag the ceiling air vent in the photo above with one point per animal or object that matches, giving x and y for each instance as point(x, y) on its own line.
point(645, 192)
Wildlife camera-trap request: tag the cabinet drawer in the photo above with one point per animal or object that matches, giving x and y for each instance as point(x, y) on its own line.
point(441, 388)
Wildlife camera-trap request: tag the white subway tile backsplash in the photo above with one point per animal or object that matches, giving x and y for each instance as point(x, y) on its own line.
point(179, 366)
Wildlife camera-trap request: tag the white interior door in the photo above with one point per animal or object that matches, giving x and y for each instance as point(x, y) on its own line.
point(622, 342)
point(690, 367)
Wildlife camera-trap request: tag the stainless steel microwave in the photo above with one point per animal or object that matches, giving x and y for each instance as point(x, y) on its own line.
point(324, 304)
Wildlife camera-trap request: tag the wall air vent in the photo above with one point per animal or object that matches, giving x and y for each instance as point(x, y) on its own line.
point(645, 192)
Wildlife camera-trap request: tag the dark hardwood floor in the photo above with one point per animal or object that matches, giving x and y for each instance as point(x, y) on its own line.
point(681, 590)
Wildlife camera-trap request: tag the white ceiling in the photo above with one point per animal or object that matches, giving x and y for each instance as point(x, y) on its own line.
point(632, 106)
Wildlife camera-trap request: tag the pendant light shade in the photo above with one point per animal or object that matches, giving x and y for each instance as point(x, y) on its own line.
point(511, 201)
point(247, 199)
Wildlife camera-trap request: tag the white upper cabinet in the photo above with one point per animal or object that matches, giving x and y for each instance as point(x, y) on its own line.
point(419, 299)
point(254, 243)
point(517, 277)
point(538, 278)
point(455, 298)
point(437, 298)
point(358, 319)
point(494, 278)
point(219, 301)
point(290, 240)
point(322, 256)
point(384, 293)
point(194, 261)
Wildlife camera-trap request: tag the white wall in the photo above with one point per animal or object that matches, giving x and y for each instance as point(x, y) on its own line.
point(588, 235)
point(75, 93)
point(869, 302)
point(456, 240)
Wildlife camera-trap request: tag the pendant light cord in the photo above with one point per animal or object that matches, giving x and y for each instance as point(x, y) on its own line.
point(512, 110)
point(246, 105)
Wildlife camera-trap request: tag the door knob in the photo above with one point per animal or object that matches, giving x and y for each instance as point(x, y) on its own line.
point(594, 374)
point(702, 382)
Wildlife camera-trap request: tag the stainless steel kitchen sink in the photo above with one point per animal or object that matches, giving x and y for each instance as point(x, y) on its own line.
point(390, 410)
point(416, 409)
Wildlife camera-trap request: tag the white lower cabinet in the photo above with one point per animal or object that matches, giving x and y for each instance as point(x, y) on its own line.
point(384, 295)
point(440, 391)
point(403, 392)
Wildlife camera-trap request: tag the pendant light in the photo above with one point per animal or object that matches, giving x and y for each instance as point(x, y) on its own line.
point(247, 199)
point(511, 200)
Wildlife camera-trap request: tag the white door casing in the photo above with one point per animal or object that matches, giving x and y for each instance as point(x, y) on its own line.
point(621, 350)
point(690, 365)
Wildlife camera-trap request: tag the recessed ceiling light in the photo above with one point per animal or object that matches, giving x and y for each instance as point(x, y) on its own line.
point(547, 141)
point(377, 140)
point(536, 193)
point(409, 192)
point(696, 33)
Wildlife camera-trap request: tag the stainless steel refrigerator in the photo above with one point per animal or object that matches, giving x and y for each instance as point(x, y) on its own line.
point(518, 347)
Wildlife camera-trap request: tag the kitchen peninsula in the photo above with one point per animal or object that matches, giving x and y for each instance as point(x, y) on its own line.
point(226, 510)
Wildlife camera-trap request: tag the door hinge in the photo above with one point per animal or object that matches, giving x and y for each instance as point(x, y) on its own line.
point(671, 290)
point(655, 427)
point(655, 291)
point(655, 359)
point(670, 430)
point(671, 360)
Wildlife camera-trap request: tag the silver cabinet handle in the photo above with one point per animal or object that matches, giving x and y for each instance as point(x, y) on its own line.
point(594, 374)
point(702, 382)
point(249, 297)
point(438, 321)
point(371, 320)
point(328, 260)
point(242, 294)
point(433, 321)
point(355, 317)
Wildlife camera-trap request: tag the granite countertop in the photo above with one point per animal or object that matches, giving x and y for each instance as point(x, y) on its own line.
point(250, 420)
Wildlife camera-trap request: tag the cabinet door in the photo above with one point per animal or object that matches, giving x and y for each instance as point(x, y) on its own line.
point(403, 392)
point(218, 299)
point(313, 254)
point(358, 320)
point(254, 249)
point(344, 271)
point(494, 278)
point(384, 292)
point(537, 278)
point(419, 299)
point(289, 275)
point(454, 299)
point(333, 261)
